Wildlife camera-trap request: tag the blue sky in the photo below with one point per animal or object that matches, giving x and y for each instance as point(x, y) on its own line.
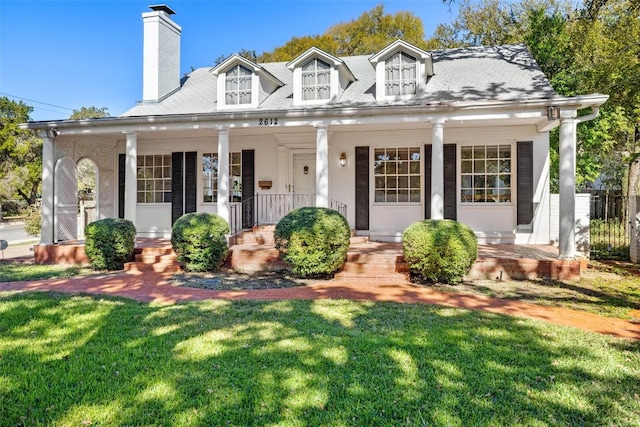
point(89, 53)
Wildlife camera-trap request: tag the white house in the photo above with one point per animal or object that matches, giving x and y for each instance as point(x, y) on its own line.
point(387, 139)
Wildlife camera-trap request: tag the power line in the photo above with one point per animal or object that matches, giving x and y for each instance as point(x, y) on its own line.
point(37, 102)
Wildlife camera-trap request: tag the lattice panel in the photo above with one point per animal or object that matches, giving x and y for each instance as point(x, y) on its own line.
point(66, 193)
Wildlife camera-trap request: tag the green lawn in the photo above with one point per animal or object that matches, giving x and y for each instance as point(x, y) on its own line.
point(77, 360)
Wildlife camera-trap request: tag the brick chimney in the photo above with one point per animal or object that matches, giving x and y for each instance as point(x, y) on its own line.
point(161, 54)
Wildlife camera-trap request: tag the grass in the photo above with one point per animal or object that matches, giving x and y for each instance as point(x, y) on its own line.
point(610, 290)
point(21, 271)
point(77, 360)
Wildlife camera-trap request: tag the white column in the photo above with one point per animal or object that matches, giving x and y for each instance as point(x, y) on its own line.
point(322, 167)
point(130, 178)
point(47, 230)
point(567, 239)
point(224, 209)
point(437, 170)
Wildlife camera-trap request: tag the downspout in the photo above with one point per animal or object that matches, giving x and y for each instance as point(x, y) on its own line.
point(594, 113)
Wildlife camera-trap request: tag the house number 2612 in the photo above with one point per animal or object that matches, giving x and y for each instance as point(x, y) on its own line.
point(268, 122)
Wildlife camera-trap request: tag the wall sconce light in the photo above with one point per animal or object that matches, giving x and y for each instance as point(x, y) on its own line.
point(52, 132)
point(343, 159)
point(553, 113)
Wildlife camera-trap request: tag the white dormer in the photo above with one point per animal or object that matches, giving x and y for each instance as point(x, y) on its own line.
point(318, 77)
point(239, 82)
point(402, 71)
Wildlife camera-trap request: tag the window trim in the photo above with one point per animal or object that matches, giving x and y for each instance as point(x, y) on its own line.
point(512, 173)
point(214, 179)
point(417, 175)
point(153, 179)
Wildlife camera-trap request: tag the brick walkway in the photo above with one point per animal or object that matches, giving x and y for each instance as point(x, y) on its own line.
point(155, 288)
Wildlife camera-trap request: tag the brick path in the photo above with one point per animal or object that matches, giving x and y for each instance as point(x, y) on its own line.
point(155, 287)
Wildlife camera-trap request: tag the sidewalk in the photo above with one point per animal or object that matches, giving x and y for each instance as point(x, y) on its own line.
point(156, 288)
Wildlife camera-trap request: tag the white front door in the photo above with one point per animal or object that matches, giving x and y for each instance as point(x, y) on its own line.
point(304, 179)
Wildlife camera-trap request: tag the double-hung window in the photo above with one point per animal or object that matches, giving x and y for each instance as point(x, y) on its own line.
point(238, 86)
point(210, 177)
point(397, 175)
point(153, 176)
point(400, 75)
point(485, 174)
point(316, 80)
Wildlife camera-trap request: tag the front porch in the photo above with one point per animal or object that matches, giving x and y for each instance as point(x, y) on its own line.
point(367, 261)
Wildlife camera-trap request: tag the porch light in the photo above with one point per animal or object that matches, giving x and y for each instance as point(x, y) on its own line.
point(343, 159)
point(553, 113)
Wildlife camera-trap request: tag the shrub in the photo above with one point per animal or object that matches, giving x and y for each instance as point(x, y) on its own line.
point(313, 240)
point(33, 220)
point(440, 250)
point(199, 241)
point(109, 243)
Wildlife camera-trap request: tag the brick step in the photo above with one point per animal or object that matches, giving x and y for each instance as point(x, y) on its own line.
point(366, 268)
point(255, 258)
point(146, 258)
point(138, 267)
point(383, 277)
point(358, 240)
point(374, 259)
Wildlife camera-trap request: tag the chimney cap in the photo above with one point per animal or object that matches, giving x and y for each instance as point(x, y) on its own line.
point(162, 8)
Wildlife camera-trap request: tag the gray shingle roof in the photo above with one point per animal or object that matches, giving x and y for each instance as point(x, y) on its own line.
point(501, 73)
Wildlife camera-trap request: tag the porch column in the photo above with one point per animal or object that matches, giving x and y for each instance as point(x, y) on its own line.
point(48, 153)
point(130, 178)
point(224, 209)
point(437, 169)
point(322, 167)
point(567, 194)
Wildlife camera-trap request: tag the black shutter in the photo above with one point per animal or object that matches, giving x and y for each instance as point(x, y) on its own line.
point(525, 182)
point(177, 191)
point(450, 182)
point(428, 159)
point(190, 184)
point(362, 188)
point(248, 187)
point(122, 161)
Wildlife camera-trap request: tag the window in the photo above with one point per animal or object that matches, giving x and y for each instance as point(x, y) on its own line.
point(238, 86)
point(485, 174)
point(316, 80)
point(397, 175)
point(400, 75)
point(210, 177)
point(154, 179)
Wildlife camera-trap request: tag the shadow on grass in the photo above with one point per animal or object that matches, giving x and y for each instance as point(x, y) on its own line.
point(69, 360)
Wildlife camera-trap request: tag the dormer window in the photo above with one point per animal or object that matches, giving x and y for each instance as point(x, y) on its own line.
point(402, 72)
point(238, 86)
point(316, 80)
point(400, 75)
point(242, 84)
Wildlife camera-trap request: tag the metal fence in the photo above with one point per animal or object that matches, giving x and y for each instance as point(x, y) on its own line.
point(609, 225)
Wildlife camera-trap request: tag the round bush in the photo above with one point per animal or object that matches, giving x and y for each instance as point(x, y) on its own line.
point(199, 240)
point(313, 240)
point(440, 250)
point(109, 243)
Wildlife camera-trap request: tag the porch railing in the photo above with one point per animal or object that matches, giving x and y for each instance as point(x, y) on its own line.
point(270, 208)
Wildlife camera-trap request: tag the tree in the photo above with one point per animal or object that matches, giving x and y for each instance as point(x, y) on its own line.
point(369, 33)
point(20, 153)
point(89, 113)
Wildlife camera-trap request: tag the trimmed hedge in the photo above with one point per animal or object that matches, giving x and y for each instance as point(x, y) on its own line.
point(109, 243)
point(440, 250)
point(313, 240)
point(199, 240)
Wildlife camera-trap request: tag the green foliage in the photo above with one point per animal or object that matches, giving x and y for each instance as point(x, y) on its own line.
point(89, 113)
point(313, 240)
point(33, 220)
point(369, 33)
point(20, 153)
point(440, 250)
point(109, 243)
point(199, 240)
